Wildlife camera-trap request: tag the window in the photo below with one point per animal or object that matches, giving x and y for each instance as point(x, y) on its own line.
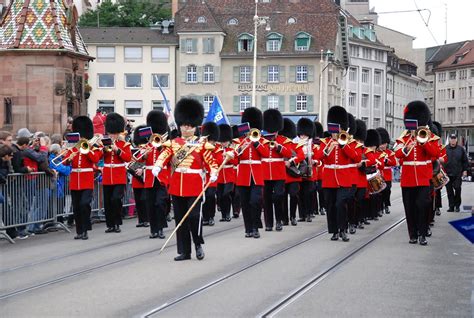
point(106, 80)
point(352, 99)
point(377, 101)
point(441, 77)
point(365, 76)
point(302, 41)
point(162, 80)
point(208, 45)
point(160, 54)
point(190, 46)
point(208, 74)
point(366, 53)
point(245, 74)
point(244, 102)
point(365, 120)
point(273, 74)
point(245, 43)
point(365, 100)
point(233, 21)
point(462, 74)
point(291, 20)
point(8, 115)
point(378, 77)
point(353, 74)
point(133, 54)
point(354, 50)
point(379, 55)
point(273, 101)
point(452, 75)
point(191, 74)
point(207, 102)
point(201, 20)
point(106, 54)
point(301, 74)
point(133, 107)
point(472, 72)
point(376, 122)
point(157, 105)
point(133, 80)
point(470, 92)
point(107, 106)
point(301, 103)
point(274, 42)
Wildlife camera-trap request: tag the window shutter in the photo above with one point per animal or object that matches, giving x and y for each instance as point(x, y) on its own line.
point(310, 103)
point(183, 74)
point(310, 73)
point(205, 45)
point(236, 106)
point(211, 45)
point(281, 103)
point(282, 74)
point(264, 74)
point(264, 103)
point(199, 74)
point(183, 46)
point(217, 74)
point(292, 74)
point(195, 45)
point(236, 74)
point(292, 103)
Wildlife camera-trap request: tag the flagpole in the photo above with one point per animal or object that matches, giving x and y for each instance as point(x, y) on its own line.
point(222, 107)
point(171, 122)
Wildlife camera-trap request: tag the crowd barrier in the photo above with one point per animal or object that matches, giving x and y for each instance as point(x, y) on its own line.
point(33, 199)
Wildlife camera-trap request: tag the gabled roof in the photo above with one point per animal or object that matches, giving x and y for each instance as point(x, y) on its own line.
point(462, 57)
point(438, 54)
point(126, 35)
point(187, 18)
point(45, 25)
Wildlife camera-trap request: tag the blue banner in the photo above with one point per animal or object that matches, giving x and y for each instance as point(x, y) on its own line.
point(216, 113)
point(465, 227)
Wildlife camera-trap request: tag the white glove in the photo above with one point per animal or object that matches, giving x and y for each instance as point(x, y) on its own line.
point(156, 171)
point(213, 178)
point(230, 154)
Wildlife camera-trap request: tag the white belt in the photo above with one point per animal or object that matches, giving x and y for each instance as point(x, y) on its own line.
point(273, 159)
point(228, 166)
point(82, 170)
point(416, 163)
point(187, 170)
point(249, 162)
point(352, 165)
point(151, 168)
point(387, 168)
point(114, 165)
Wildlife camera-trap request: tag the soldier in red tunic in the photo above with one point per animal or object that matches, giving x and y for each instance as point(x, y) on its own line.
point(187, 156)
point(358, 216)
point(210, 131)
point(416, 154)
point(274, 170)
point(226, 179)
point(138, 183)
point(250, 173)
point(114, 173)
point(372, 166)
point(443, 159)
point(318, 201)
point(82, 176)
point(389, 161)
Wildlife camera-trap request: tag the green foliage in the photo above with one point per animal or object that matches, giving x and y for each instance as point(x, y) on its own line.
point(127, 13)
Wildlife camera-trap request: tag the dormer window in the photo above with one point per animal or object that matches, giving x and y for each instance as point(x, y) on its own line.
point(370, 34)
point(291, 20)
point(245, 42)
point(274, 42)
point(233, 21)
point(302, 41)
point(201, 20)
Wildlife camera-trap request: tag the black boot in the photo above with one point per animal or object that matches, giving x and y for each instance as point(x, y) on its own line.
point(161, 235)
point(182, 257)
point(279, 227)
point(352, 229)
point(199, 252)
point(422, 240)
point(322, 211)
point(110, 230)
point(343, 235)
point(78, 236)
point(293, 221)
point(84, 236)
point(211, 222)
point(334, 237)
point(117, 229)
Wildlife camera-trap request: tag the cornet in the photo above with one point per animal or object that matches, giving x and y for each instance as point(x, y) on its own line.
point(253, 136)
point(422, 135)
point(343, 138)
point(156, 140)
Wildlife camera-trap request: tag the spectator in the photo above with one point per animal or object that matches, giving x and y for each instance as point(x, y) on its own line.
point(6, 138)
point(99, 122)
point(456, 168)
point(62, 171)
point(57, 139)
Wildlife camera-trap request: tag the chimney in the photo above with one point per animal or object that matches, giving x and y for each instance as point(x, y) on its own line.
point(174, 7)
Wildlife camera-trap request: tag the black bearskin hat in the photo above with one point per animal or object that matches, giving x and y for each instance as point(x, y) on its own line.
point(338, 115)
point(253, 116)
point(326, 134)
point(114, 123)
point(158, 121)
point(137, 140)
point(83, 125)
point(417, 110)
point(384, 136)
point(189, 112)
point(225, 133)
point(373, 138)
point(305, 127)
point(352, 123)
point(272, 120)
point(439, 128)
point(211, 130)
point(319, 130)
point(361, 130)
point(289, 129)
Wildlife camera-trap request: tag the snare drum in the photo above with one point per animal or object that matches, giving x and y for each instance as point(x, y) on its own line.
point(376, 183)
point(440, 179)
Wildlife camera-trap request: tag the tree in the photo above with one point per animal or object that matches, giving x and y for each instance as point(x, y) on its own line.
point(127, 13)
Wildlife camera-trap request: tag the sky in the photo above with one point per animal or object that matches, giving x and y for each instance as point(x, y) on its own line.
point(460, 19)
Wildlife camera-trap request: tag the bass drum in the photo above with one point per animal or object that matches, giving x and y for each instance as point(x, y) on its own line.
point(376, 183)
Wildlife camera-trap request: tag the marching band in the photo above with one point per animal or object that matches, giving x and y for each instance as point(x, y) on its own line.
point(266, 163)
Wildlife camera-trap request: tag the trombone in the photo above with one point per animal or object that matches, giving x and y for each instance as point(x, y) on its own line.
point(156, 140)
point(253, 136)
point(83, 146)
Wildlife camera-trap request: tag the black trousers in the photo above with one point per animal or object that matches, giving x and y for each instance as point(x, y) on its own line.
point(438, 201)
point(337, 200)
point(319, 188)
point(375, 204)
point(416, 202)
point(305, 201)
point(81, 205)
point(224, 192)
point(191, 226)
point(156, 207)
point(273, 196)
point(355, 210)
point(251, 201)
point(140, 204)
point(292, 190)
point(386, 193)
point(236, 205)
point(113, 195)
point(454, 191)
point(209, 205)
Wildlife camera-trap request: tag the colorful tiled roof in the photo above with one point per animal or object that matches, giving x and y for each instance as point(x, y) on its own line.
point(40, 25)
point(464, 56)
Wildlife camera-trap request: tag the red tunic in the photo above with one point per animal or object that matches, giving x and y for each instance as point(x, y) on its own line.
point(390, 161)
point(297, 157)
point(274, 165)
point(417, 169)
point(218, 163)
point(250, 163)
point(82, 175)
point(151, 158)
point(114, 171)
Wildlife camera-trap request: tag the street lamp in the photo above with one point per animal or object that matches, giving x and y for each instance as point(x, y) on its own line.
point(257, 21)
point(328, 54)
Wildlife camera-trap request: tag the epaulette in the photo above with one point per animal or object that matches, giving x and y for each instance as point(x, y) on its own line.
point(209, 146)
point(236, 141)
point(265, 141)
point(287, 140)
point(351, 140)
point(443, 147)
point(166, 143)
point(359, 144)
point(368, 150)
point(404, 133)
point(324, 140)
point(220, 149)
point(301, 144)
point(435, 137)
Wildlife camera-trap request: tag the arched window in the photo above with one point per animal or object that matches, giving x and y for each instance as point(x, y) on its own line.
point(274, 42)
point(233, 21)
point(291, 20)
point(202, 20)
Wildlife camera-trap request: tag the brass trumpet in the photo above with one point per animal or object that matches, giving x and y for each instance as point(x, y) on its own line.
point(254, 135)
point(156, 140)
point(272, 144)
point(83, 146)
point(343, 138)
point(422, 135)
